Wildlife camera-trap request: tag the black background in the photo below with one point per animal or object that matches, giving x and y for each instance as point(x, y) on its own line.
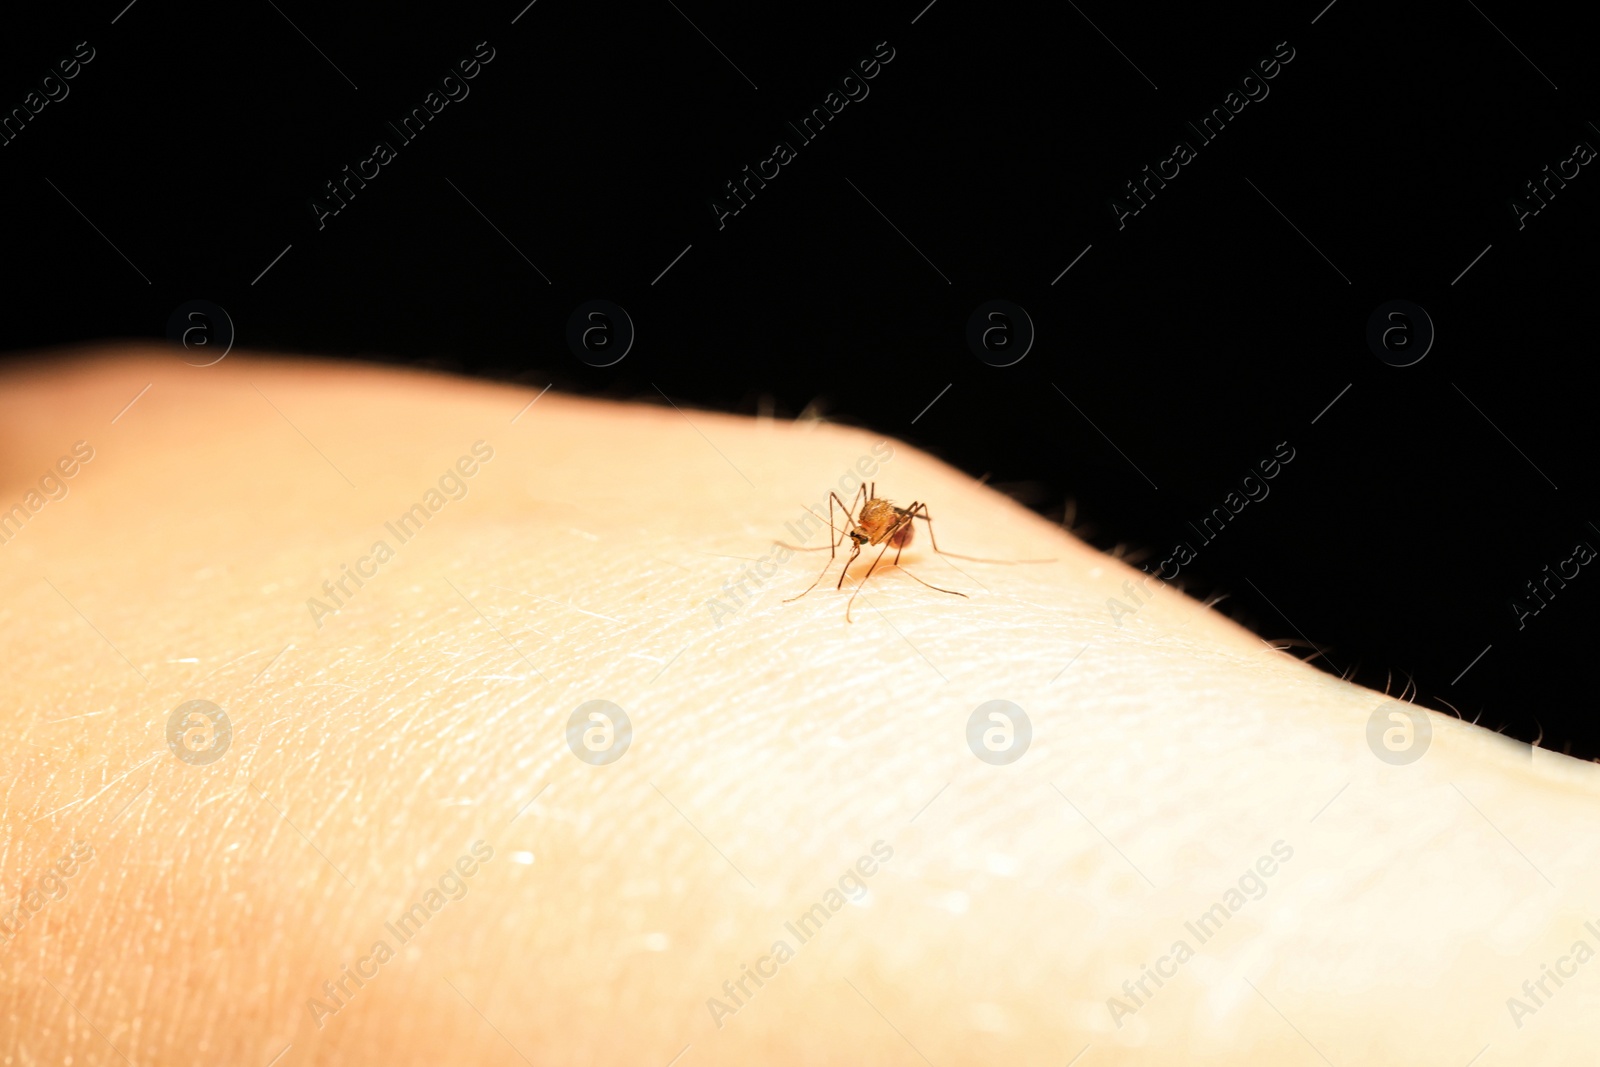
point(1221, 320)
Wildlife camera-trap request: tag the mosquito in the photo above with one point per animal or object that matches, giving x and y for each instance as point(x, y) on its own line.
point(877, 522)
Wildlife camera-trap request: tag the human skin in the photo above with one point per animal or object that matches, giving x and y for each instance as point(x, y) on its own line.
point(772, 746)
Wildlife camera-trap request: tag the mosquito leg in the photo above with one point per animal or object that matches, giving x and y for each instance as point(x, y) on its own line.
point(854, 552)
point(825, 566)
point(864, 578)
point(843, 528)
point(920, 511)
point(849, 512)
point(901, 548)
point(849, 520)
point(833, 541)
point(813, 584)
point(833, 545)
point(839, 532)
point(849, 524)
point(930, 585)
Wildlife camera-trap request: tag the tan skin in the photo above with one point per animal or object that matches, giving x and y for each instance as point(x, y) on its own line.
point(772, 748)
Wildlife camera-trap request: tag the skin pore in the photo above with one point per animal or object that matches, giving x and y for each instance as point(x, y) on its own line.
point(395, 731)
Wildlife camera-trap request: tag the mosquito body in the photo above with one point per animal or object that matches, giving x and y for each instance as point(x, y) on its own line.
point(870, 520)
point(881, 521)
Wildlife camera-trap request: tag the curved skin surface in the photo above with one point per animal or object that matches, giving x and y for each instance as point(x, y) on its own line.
point(780, 760)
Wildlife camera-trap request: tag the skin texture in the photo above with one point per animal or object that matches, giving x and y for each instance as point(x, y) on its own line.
point(772, 746)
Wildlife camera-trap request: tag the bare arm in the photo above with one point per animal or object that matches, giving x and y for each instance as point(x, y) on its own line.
point(393, 731)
